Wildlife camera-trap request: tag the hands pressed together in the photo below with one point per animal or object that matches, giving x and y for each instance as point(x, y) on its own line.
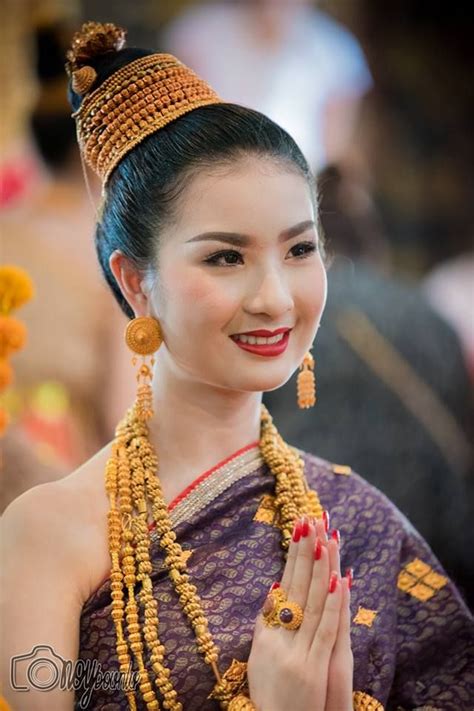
point(309, 668)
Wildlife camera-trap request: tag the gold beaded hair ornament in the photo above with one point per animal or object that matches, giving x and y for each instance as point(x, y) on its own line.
point(132, 103)
point(135, 101)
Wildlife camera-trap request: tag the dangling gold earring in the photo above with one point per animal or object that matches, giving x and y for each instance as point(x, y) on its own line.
point(143, 336)
point(306, 384)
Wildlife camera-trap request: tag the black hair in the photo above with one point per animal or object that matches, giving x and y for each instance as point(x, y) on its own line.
point(142, 191)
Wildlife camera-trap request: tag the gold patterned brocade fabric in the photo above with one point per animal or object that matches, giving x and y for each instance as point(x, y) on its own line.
point(412, 635)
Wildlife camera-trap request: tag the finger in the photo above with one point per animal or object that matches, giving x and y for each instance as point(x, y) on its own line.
point(292, 553)
point(344, 631)
point(327, 630)
point(340, 687)
point(321, 530)
point(318, 591)
point(334, 552)
point(303, 566)
point(326, 519)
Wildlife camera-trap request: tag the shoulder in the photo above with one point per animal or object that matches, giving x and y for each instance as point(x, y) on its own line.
point(56, 525)
point(38, 546)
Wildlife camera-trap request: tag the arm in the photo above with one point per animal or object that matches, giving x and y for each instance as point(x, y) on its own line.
point(41, 600)
point(435, 635)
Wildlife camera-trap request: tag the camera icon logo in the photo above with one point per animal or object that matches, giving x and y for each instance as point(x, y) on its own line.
point(41, 669)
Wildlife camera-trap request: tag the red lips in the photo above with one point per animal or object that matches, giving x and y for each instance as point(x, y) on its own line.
point(268, 349)
point(263, 332)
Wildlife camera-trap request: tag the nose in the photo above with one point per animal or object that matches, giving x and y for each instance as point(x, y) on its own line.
point(272, 296)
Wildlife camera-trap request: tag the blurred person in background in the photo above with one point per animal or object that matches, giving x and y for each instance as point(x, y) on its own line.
point(394, 397)
point(68, 391)
point(285, 58)
point(449, 288)
point(417, 120)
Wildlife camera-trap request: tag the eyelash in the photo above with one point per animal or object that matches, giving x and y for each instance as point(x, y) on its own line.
point(213, 259)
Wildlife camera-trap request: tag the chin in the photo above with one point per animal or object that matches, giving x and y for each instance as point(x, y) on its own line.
point(262, 382)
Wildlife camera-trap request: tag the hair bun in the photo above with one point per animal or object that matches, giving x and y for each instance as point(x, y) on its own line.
point(93, 40)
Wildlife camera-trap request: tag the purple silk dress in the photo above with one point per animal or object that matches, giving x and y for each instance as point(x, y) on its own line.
point(412, 635)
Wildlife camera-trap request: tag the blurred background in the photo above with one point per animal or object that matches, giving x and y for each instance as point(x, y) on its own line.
point(380, 98)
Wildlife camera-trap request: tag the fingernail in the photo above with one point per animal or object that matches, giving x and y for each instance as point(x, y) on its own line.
point(305, 527)
point(336, 536)
point(350, 576)
point(326, 520)
point(332, 582)
point(318, 549)
point(274, 586)
point(297, 532)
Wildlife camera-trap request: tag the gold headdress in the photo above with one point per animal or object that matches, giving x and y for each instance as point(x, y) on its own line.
point(132, 103)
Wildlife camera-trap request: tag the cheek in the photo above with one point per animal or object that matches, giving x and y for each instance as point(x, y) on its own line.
point(198, 298)
point(312, 291)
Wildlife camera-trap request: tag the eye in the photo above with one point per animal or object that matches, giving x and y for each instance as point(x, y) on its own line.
point(230, 255)
point(303, 249)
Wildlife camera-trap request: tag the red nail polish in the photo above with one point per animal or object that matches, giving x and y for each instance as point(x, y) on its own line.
point(326, 520)
point(305, 527)
point(332, 582)
point(350, 576)
point(274, 586)
point(297, 532)
point(336, 536)
point(318, 549)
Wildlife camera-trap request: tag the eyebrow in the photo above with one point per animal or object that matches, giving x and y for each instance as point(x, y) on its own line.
point(240, 240)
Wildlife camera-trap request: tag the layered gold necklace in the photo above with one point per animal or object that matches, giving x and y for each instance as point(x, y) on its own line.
point(134, 489)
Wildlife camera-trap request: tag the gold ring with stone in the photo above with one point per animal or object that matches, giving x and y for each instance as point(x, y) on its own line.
point(278, 611)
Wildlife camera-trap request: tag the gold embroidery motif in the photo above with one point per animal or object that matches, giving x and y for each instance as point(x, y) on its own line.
point(266, 512)
point(343, 469)
point(405, 581)
point(365, 617)
point(422, 592)
point(418, 579)
point(418, 568)
point(364, 702)
point(435, 580)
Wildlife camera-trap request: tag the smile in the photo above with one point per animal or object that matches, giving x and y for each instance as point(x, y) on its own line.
point(269, 347)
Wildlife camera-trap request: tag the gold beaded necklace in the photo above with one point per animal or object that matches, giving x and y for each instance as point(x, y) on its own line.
point(131, 481)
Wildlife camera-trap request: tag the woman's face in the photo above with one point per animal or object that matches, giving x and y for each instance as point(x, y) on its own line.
point(242, 256)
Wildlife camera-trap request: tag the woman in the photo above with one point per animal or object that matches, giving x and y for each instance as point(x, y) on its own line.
point(207, 235)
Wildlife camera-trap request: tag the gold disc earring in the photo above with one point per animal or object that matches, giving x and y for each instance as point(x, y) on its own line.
point(306, 383)
point(143, 336)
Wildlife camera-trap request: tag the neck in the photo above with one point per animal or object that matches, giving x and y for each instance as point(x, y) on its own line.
point(196, 425)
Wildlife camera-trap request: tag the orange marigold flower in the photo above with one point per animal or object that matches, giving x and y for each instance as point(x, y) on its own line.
point(4, 420)
point(6, 374)
point(12, 335)
point(16, 288)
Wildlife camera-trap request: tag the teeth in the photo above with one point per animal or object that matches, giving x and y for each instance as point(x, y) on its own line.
point(258, 340)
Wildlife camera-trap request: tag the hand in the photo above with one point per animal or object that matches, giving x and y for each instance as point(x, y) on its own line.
point(309, 669)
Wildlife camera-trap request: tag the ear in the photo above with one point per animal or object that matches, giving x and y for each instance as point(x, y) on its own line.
point(130, 282)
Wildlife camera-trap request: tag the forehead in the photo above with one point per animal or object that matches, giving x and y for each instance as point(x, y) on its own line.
point(251, 195)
